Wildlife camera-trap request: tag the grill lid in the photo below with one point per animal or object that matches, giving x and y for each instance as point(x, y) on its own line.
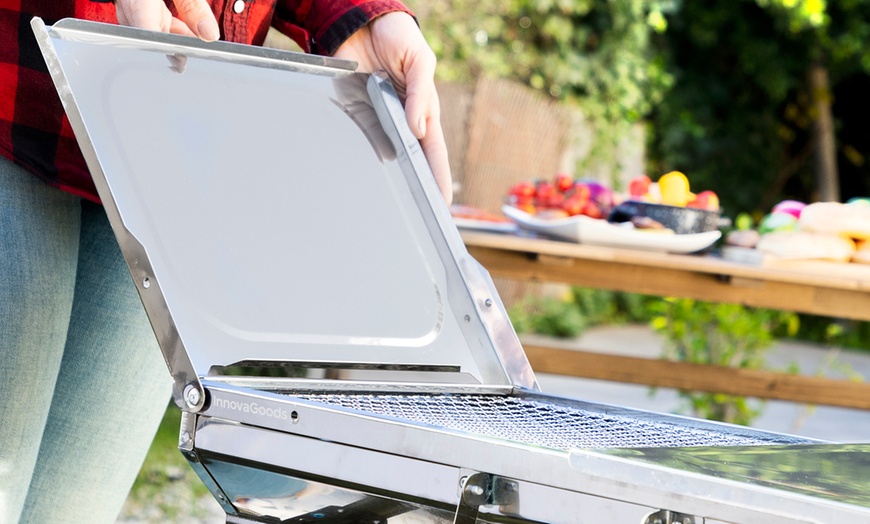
point(273, 208)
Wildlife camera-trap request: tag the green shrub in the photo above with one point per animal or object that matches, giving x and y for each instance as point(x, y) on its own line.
point(601, 306)
point(722, 335)
point(548, 316)
point(835, 332)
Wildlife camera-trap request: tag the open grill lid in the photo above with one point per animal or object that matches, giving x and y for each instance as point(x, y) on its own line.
point(274, 207)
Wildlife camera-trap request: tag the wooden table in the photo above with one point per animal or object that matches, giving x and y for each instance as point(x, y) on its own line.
point(821, 288)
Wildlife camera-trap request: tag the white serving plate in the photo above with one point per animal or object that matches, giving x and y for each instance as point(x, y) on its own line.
point(598, 232)
point(485, 225)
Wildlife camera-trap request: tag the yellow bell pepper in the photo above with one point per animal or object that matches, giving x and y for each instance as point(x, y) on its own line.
point(674, 187)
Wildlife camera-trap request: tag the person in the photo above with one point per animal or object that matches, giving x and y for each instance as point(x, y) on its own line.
point(83, 384)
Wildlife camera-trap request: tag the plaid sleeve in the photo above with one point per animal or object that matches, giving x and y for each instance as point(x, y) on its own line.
point(321, 26)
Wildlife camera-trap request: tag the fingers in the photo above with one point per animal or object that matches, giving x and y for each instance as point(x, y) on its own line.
point(180, 28)
point(410, 62)
point(435, 150)
point(420, 95)
point(423, 111)
point(194, 17)
point(144, 14)
point(199, 18)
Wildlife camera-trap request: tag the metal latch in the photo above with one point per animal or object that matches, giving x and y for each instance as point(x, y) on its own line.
point(665, 516)
point(482, 489)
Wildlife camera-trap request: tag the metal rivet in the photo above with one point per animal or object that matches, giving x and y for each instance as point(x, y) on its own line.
point(294, 416)
point(488, 302)
point(475, 490)
point(146, 282)
point(191, 396)
point(467, 318)
point(238, 6)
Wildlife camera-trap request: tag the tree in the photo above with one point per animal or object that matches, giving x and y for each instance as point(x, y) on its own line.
point(751, 103)
point(725, 85)
point(595, 55)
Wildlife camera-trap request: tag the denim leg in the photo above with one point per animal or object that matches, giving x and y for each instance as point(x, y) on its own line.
point(110, 396)
point(39, 241)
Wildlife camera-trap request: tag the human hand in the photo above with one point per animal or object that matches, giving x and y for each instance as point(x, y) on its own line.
point(393, 43)
point(195, 17)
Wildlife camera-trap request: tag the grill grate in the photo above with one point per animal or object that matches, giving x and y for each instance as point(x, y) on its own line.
point(538, 423)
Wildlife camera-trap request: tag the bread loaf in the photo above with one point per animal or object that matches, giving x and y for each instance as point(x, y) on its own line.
point(862, 253)
point(834, 218)
point(807, 245)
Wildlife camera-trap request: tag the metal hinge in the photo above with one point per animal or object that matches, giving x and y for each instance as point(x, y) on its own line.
point(482, 489)
point(665, 516)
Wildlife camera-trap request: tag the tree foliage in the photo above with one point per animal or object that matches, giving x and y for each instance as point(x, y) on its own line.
point(740, 113)
point(721, 84)
point(596, 55)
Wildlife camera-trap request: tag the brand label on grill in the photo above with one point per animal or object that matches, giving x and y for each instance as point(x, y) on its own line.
point(252, 407)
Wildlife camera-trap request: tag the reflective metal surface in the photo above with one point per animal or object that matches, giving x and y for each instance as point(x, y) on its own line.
point(426, 465)
point(270, 214)
point(255, 492)
point(790, 483)
point(838, 472)
point(536, 422)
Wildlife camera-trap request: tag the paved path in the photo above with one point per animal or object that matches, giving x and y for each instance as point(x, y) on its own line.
point(822, 422)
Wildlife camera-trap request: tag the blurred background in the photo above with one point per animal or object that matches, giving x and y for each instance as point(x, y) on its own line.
point(758, 100)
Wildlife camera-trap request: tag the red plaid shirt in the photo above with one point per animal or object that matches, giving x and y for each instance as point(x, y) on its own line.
point(34, 131)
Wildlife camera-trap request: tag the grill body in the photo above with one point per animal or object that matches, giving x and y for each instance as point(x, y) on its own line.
point(302, 454)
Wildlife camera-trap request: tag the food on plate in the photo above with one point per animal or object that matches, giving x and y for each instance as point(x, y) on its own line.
point(639, 186)
point(552, 214)
point(742, 238)
point(473, 213)
point(791, 207)
point(564, 182)
point(561, 196)
point(744, 233)
point(576, 201)
point(674, 188)
point(682, 220)
point(744, 221)
point(845, 220)
point(821, 230)
point(777, 222)
point(650, 224)
point(807, 245)
point(705, 200)
point(862, 252)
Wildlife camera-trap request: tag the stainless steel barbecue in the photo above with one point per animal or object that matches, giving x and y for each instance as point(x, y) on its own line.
point(277, 214)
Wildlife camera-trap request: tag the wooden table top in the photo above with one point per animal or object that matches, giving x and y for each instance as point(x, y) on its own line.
point(818, 287)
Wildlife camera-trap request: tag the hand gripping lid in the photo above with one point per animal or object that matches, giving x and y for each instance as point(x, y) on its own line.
point(274, 208)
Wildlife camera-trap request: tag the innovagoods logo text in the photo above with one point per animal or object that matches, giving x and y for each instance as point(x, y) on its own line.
point(252, 407)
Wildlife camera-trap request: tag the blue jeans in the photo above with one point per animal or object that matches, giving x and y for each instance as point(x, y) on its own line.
point(83, 386)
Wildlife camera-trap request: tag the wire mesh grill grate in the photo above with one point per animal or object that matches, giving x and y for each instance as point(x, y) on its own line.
point(537, 423)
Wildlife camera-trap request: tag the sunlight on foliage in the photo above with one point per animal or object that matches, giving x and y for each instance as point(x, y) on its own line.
point(802, 13)
point(722, 335)
point(595, 55)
